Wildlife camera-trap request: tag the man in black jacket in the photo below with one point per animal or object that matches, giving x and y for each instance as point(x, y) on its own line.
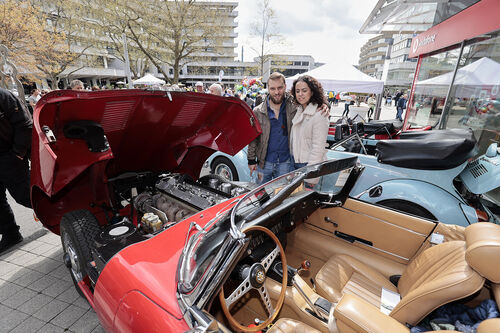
point(15, 145)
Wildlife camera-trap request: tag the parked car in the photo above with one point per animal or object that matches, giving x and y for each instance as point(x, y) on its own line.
point(437, 193)
point(427, 173)
point(233, 168)
point(153, 249)
point(97, 155)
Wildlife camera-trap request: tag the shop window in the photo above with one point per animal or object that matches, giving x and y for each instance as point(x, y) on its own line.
point(474, 100)
point(431, 88)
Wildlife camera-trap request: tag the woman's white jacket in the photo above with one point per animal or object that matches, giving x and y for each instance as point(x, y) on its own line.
point(308, 135)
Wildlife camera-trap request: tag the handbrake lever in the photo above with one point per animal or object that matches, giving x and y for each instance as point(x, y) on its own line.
point(305, 266)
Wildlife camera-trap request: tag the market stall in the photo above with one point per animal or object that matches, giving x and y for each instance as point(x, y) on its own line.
point(342, 77)
point(148, 80)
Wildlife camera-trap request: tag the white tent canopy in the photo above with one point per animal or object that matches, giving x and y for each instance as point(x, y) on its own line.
point(483, 74)
point(342, 78)
point(148, 80)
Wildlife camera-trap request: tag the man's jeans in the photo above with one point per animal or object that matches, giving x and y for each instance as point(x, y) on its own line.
point(272, 170)
point(14, 177)
point(399, 114)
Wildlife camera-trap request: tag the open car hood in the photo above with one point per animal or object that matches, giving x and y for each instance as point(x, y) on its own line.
point(146, 130)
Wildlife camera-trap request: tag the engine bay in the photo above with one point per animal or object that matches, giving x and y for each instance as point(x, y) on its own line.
point(155, 203)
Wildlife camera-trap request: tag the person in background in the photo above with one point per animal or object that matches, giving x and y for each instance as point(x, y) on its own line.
point(44, 92)
point(371, 105)
point(309, 126)
point(76, 85)
point(15, 143)
point(331, 97)
point(401, 106)
point(95, 88)
point(397, 97)
point(34, 98)
point(348, 100)
point(215, 89)
point(258, 99)
point(199, 87)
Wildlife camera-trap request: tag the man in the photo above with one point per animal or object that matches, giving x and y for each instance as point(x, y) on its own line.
point(15, 144)
point(401, 105)
point(199, 87)
point(269, 153)
point(397, 97)
point(34, 98)
point(215, 89)
point(76, 85)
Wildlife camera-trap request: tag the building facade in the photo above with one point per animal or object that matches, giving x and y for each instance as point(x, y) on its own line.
point(103, 64)
point(373, 54)
point(400, 66)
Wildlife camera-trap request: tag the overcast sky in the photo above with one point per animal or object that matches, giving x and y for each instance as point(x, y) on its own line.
point(328, 30)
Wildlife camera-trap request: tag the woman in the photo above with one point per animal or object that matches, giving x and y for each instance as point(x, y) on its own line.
point(371, 105)
point(309, 126)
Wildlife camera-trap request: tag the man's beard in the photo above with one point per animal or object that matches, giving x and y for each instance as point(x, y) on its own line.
point(277, 101)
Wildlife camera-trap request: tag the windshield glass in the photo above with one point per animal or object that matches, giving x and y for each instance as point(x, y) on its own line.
point(204, 249)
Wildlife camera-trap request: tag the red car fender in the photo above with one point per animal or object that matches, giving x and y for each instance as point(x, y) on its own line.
point(137, 313)
point(148, 268)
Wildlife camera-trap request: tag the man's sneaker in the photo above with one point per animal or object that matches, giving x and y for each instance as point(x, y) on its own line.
point(9, 240)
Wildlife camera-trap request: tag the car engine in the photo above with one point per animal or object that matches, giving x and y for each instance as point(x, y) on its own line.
point(160, 201)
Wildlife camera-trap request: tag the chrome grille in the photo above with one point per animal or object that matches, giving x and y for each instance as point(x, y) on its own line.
point(477, 169)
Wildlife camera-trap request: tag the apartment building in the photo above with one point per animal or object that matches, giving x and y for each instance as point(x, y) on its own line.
point(372, 55)
point(102, 64)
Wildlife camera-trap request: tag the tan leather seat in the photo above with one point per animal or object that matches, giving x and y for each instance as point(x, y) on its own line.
point(343, 274)
point(439, 275)
point(286, 325)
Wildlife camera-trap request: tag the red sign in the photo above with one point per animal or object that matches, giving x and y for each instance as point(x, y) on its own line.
point(476, 20)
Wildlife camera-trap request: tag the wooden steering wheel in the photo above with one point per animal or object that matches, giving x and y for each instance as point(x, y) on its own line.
point(255, 279)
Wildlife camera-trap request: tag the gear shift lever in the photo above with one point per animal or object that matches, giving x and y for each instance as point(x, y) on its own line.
point(305, 266)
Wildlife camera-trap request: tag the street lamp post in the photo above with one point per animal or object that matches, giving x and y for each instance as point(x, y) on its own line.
point(127, 62)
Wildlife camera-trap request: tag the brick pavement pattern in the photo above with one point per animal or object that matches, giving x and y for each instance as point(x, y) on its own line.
point(36, 292)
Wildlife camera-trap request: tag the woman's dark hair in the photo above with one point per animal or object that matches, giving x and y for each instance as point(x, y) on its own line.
point(318, 95)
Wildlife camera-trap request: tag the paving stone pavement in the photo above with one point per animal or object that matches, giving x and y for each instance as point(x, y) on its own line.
point(37, 294)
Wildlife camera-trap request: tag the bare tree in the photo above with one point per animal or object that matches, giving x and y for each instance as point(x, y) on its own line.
point(181, 31)
point(264, 30)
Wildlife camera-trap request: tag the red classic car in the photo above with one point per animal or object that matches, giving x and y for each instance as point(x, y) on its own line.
point(154, 249)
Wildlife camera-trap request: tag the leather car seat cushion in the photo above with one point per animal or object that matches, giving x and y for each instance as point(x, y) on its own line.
point(285, 325)
point(344, 274)
point(489, 326)
point(439, 275)
point(483, 249)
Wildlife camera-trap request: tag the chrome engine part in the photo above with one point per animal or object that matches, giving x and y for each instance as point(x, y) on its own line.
point(177, 197)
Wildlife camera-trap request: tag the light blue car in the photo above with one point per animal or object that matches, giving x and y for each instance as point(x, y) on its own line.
point(229, 167)
point(452, 195)
point(428, 174)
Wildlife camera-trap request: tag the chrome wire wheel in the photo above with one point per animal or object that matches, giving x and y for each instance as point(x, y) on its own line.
point(224, 171)
point(71, 258)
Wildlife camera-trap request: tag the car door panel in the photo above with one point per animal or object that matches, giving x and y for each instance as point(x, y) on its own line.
point(380, 230)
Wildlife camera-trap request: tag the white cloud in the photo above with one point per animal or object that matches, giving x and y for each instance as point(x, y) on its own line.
point(328, 30)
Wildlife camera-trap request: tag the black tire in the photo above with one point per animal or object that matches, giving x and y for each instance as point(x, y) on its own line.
point(78, 230)
point(224, 168)
point(407, 207)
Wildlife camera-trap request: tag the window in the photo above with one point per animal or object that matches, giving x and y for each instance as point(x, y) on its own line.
point(429, 96)
point(474, 100)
